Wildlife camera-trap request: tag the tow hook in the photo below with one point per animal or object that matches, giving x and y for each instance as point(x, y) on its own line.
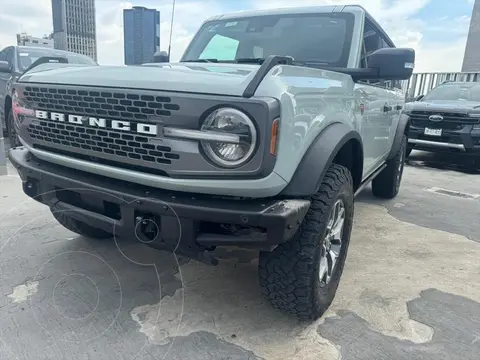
point(147, 228)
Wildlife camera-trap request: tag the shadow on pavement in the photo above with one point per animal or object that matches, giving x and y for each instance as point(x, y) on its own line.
point(444, 161)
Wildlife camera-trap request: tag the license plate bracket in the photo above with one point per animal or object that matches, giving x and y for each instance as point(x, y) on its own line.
point(433, 132)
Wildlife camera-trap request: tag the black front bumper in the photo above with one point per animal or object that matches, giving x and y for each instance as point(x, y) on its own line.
point(189, 222)
point(465, 140)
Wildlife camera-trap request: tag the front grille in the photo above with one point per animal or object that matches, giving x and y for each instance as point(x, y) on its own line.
point(437, 125)
point(100, 141)
point(448, 117)
point(121, 105)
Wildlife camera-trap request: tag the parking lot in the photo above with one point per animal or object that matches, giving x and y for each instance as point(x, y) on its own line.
point(410, 290)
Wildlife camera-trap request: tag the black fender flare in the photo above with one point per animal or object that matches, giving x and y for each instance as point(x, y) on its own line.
point(402, 129)
point(319, 157)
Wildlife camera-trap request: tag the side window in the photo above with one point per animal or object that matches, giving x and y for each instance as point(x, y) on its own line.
point(221, 48)
point(9, 55)
point(372, 41)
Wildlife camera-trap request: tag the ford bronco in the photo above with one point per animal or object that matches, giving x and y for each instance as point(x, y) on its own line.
point(260, 137)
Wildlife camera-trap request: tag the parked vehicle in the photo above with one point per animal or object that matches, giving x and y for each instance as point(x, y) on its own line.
point(446, 119)
point(256, 139)
point(14, 60)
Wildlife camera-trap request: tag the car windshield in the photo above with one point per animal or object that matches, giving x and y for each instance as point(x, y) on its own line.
point(27, 57)
point(466, 92)
point(323, 39)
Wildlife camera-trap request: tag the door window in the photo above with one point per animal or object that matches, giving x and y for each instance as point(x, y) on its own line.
point(9, 55)
point(372, 41)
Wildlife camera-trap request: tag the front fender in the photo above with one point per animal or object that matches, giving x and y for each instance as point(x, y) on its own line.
point(319, 157)
point(402, 129)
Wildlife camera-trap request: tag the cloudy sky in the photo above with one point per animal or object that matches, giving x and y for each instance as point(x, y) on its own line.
point(437, 29)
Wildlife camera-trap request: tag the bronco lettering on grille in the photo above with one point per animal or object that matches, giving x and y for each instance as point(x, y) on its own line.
point(141, 128)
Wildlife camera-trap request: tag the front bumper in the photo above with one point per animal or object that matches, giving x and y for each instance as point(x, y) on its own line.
point(186, 222)
point(465, 140)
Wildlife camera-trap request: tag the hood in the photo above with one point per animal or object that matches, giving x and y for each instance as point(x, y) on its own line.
point(219, 79)
point(460, 106)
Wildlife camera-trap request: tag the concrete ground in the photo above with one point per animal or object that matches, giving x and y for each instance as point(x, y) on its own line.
point(410, 290)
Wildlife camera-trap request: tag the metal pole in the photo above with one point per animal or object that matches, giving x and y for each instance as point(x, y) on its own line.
point(3, 158)
point(171, 31)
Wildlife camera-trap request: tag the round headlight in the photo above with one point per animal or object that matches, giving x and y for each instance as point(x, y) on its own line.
point(230, 122)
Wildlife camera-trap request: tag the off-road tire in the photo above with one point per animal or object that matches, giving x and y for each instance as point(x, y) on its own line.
point(387, 184)
point(289, 275)
point(79, 227)
point(409, 150)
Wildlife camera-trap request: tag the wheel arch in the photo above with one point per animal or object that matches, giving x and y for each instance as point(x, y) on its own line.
point(339, 144)
point(403, 128)
point(6, 109)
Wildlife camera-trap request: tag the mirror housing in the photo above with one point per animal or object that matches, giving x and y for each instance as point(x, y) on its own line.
point(384, 64)
point(392, 63)
point(161, 57)
point(419, 97)
point(5, 67)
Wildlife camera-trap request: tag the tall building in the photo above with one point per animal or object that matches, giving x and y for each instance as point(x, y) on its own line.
point(74, 26)
point(141, 34)
point(471, 59)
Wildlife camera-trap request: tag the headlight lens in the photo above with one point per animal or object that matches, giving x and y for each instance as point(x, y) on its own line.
point(235, 122)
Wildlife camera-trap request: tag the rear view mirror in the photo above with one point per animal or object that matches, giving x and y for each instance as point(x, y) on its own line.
point(5, 67)
point(392, 63)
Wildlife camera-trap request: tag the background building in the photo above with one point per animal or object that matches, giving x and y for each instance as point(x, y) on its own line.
point(141, 34)
point(471, 59)
point(24, 39)
point(74, 26)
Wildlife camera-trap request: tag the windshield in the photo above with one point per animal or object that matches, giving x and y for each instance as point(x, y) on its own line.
point(317, 38)
point(27, 57)
point(466, 92)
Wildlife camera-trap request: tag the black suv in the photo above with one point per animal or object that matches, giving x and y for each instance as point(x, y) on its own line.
point(446, 119)
point(14, 60)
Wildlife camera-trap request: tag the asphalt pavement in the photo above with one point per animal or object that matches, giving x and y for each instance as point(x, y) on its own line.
point(410, 289)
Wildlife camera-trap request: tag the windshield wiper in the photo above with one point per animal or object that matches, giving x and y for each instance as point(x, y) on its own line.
point(202, 60)
point(250, 60)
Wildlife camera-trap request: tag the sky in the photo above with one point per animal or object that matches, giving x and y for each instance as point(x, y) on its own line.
point(436, 29)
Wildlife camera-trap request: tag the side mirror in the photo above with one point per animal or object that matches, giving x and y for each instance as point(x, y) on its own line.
point(419, 97)
point(393, 63)
point(5, 67)
point(161, 57)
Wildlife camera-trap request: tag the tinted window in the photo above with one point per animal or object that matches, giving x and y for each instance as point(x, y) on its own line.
point(464, 92)
point(321, 38)
point(27, 57)
point(9, 55)
point(221, 48)
point(3, 55)
point(373, 41)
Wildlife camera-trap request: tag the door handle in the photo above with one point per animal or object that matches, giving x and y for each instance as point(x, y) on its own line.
point(398, 107)
point(387, 108)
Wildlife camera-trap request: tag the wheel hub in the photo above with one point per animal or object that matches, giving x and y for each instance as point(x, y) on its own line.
point(332, 243)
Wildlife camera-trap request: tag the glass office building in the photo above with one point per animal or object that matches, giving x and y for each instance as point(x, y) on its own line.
point(141, 31)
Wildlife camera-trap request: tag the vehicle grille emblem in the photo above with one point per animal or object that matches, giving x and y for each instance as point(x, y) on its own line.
point(435, 118)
